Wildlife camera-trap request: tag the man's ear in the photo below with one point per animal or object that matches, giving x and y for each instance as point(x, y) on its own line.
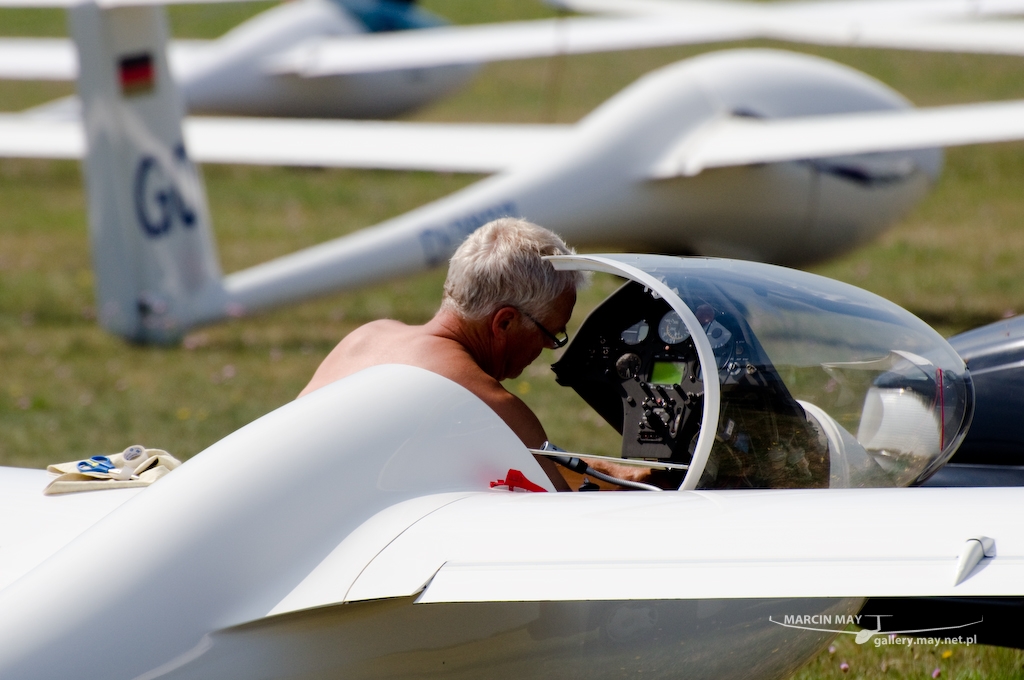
point(502, 320)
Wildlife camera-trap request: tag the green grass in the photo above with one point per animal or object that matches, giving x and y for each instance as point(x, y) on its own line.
point(954, 662)
point(68, 390)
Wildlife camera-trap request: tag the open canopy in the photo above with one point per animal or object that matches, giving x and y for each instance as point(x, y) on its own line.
point(818, 383)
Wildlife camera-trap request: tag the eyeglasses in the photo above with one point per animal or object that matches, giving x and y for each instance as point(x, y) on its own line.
point(557, 339)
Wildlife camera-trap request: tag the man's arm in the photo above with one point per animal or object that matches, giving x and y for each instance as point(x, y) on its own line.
point(518, 416)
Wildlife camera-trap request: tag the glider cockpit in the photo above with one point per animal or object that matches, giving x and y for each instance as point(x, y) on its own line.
point(816, 383)
point(383, 543)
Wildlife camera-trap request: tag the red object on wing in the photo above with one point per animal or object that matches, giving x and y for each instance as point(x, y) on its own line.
point(136, 73)
point(514, 479)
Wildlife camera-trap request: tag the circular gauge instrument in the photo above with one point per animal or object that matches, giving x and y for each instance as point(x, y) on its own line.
point(672, 330)
point(718, 335)
point(628, 366)
point(636, 333)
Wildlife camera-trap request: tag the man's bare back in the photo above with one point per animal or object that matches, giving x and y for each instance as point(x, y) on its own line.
point(502, 305)
point(440, 346)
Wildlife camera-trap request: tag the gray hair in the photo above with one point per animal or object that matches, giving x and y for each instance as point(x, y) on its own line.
point(500, 265)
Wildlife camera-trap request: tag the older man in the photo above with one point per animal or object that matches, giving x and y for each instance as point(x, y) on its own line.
point(502, 305)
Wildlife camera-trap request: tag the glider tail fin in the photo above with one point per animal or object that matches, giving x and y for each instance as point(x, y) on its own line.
point(157, 272)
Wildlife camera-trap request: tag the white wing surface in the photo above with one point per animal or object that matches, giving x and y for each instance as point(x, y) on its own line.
point(349, 144)
point(372, 144)
point(656, 24)
point(103, 4)
point(866, 11)
point(1002, 37)
point(56, 59)
point(689, 545)
point(494, 42)
point(36, 526)
point(449, 147)
point(495, 148)
point(691, 8)
point(38, 59)
point(941, 26)
point(23, 136)
point(745, 141)
point(862, 10)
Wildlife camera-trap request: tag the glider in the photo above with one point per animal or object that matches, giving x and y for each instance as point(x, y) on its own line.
point(944, 26)
point(379, 58)
point(233, 74)
point(336, 537)
point(761, 154)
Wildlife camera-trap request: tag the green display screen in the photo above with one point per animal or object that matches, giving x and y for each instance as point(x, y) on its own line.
point(667, 373)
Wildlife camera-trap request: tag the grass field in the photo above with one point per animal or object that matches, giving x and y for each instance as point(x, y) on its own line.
point(68, 389)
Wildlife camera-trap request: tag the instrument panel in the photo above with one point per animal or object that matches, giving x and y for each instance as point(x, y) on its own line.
point(661, 390)
point(636, 363)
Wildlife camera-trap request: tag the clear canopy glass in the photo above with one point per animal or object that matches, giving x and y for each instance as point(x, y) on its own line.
point(818, 383)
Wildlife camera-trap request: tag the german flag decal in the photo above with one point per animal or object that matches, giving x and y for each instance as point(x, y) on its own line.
point(136, 72)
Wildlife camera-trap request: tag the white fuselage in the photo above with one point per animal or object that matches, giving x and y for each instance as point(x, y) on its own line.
point(297, 506)
point(605, 183)
point(335, 537)
point(597, 190)
point(234, 74)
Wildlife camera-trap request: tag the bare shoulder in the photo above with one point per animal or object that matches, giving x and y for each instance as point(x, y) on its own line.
point(369, 345)
point(509, 407)
point(392, 342)
point(375, 330)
